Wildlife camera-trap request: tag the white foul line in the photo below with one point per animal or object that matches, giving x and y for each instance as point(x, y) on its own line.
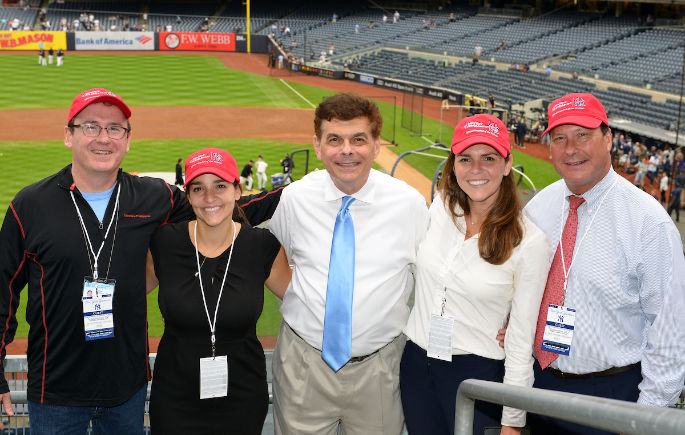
point(298, 94)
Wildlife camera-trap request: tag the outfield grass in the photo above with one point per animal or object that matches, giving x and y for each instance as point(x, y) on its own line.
point(151, 80)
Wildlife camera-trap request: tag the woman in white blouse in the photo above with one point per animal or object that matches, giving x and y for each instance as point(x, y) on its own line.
point(481, 261)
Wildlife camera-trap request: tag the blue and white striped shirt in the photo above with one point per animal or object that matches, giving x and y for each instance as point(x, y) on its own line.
point(627, 283)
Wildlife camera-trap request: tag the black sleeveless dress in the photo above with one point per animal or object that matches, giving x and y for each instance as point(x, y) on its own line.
point(175, 405)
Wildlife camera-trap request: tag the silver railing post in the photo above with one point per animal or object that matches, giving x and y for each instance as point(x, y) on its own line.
point(607, 414)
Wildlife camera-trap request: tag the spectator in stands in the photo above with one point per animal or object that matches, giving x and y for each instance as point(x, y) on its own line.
point(331, 50)
point(674, 202)
point(178, 19)
point(642, 166)
point(356, 28)
point(679, 160)
point(627, 343)
point(502, 45)
point(663, 187)
point(548, 71)
point(335, 17)
point(337, 358)
point(653, 166)
point(212, 380)
point(477, 50)
point(396, 17)
point(453, 18)
point(574, 76)
point(525, 68)
point(521, 130)
point(371, 24)
point(491, 101)
point(484, 261)
point(385, 19)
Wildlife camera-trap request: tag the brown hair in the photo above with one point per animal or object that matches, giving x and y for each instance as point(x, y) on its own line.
point(238, 213)
point(502, 230)
point(347, 106)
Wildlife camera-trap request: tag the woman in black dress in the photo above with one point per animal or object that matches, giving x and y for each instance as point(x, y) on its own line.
point(210, 372)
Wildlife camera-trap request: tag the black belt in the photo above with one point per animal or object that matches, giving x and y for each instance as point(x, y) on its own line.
point(356, 359)
point(604, 373)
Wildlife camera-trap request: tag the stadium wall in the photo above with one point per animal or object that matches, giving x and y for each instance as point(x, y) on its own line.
point(134, 41)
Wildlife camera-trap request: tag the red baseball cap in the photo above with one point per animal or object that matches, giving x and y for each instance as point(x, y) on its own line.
point(211, 161)
point(96, 95)
point(481, 128)
point(584, 110)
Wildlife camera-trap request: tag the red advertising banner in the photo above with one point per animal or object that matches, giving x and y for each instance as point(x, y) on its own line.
point(196, 41)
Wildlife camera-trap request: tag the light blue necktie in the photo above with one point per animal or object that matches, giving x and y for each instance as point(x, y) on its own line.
point(337, 324)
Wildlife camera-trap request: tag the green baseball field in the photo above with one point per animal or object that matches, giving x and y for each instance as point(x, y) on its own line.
point(183, 102)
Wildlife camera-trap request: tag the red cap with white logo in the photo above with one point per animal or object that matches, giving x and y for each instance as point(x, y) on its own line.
point(482, 128)
point(211, 161)
point(97, 95)
point(584, 110)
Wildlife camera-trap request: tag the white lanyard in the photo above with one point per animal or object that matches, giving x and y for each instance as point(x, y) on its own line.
point(115, 215)
point(577, 246)
point(212, 324)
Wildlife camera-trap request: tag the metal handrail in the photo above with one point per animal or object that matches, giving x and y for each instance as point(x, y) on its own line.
point(608, 414)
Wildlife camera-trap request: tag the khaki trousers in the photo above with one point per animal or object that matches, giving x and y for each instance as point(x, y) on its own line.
point(310, 398)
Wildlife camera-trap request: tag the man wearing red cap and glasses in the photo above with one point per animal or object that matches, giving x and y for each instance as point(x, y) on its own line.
point(609, 320)
point(85, 231)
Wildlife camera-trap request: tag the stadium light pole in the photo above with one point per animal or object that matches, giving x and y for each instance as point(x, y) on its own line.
point(247, 17)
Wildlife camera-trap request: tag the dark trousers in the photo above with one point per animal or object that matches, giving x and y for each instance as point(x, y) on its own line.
point(429, 390)
point(676, 208)
point(522, 139)
point(622, 386)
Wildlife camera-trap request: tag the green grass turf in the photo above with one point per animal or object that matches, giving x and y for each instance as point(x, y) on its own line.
point(176, 80)
point(143, 80)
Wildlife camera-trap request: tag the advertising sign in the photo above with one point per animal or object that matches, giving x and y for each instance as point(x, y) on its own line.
point(114, 40)
point(26, 40)
point(196, 41)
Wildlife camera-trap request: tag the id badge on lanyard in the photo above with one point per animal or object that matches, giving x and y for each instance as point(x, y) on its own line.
point(440, 333)
point(559, 329)
point(214, 377)
point(440, 337)
point(98, 317)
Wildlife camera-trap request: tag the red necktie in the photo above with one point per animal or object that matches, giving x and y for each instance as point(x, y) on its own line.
point(554, 290)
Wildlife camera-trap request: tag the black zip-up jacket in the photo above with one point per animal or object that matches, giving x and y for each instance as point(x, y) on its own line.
point(42, 245)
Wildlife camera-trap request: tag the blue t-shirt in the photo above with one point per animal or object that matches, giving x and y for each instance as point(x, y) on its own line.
point(98, 201)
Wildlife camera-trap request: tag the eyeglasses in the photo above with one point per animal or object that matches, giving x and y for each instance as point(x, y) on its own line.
point(93, 130)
